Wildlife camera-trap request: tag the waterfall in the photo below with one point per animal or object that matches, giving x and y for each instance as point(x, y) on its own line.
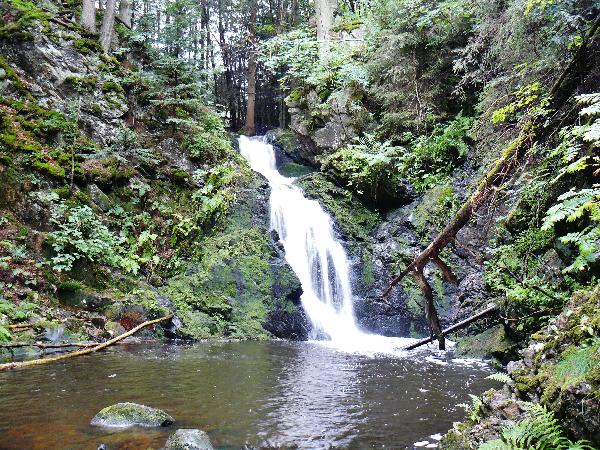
point(314, 254)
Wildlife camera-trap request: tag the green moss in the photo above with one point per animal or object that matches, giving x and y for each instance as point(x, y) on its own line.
point(71, 286)
point(179, 175)
point(355, 220)
point(28, 14)
point(492, 343)
point(111, 86)
point(107, 171)
point(86, 46)
point(437, 206)
point(576, 364)
point(292, 169)
point(85, 82)
point(368, 274)
point(11, 75)
point(48, 169)
point(129, 414)
point(232, 285)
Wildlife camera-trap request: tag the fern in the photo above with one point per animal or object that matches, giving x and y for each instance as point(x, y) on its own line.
point(579, 205)
point(474, 409)
point(500, 377)
point(575, 205)
point(540, 431)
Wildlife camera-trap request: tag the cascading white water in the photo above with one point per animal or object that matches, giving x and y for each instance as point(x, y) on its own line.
point(317, 258)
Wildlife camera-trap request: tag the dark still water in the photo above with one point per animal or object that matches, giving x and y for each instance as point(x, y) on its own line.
point(264, 394)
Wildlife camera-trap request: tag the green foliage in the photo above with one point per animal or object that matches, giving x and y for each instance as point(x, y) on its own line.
point(433, 157)
point(539, 430)
point(516, 270)
point(209, 142)
point(294, 58)
point(577, 363)
point(528, 98)
point(5, 335)
point(473, 409)
point(292, 55)
point(11, 312)
point(500, 377)
point(80, 234)
point(176, 91)
point(410, 48)
point(366, 163)
point(579, 207)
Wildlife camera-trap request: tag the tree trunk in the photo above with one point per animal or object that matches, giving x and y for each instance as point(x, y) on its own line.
point(251, 73)
point(294, 12)
point(250, 104)
point(125, 12)
point(108, 22)
point(88, 16)
point(324, 10)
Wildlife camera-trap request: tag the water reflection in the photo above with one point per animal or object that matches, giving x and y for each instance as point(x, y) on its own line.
point(275, 394)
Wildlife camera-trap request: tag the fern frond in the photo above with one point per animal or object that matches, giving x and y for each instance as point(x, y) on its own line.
point(500, 377)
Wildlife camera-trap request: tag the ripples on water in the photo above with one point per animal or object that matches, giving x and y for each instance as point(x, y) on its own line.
point(265, 394)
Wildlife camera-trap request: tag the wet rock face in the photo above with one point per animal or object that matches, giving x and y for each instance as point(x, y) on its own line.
point(324, 134)
point(189, 439)
point(242, 277)
point(52, 70)
point(124, 415)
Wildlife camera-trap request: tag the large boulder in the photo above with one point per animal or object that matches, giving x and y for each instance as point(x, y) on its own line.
point(123, 415)
point(188, 439)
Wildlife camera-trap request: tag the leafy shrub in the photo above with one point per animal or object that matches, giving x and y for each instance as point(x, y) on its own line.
point(5, 335)
point(431, 157)
point(294, 58)
point(209, 142)
point(365, 163)
point(80, 234)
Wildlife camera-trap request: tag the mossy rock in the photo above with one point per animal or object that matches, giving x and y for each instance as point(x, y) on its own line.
point(125, 415)
point(356, 221)
point(189, 439)
point(493, 343)
point(292, 169)
point(77, 295)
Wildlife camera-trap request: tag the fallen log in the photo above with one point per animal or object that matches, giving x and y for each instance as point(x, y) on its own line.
point(21, 326)
point(453, 328)
point(41, 345)
point(87, 351)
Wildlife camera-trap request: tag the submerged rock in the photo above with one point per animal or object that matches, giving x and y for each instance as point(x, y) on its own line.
point(123, 415)
point(189, 439)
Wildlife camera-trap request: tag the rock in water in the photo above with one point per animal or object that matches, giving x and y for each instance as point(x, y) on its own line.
point(189, 439)
point(123, 415)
